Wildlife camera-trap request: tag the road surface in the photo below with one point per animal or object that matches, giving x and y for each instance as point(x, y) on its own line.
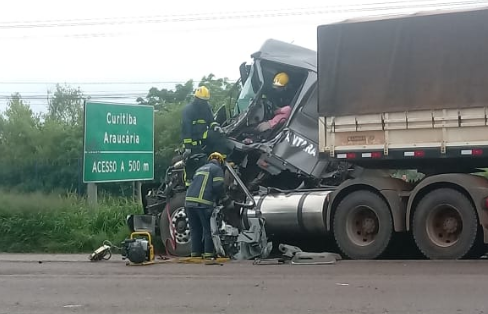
point(71, 284)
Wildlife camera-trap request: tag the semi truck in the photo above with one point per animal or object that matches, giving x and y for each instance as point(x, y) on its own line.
point(379, 95)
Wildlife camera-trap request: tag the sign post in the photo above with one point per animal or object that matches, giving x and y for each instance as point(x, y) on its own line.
point(118, 143)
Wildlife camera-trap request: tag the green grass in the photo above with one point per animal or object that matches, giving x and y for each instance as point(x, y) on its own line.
point(54, 224)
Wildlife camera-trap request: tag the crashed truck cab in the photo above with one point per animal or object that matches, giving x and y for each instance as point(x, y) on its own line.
point(286, 157)
point(291, 145)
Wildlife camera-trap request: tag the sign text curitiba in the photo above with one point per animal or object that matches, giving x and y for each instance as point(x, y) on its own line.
point(118, 143)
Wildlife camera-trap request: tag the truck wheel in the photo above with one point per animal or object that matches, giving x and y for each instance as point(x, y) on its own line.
point(363, 225)
point(180, 229)
point(445, 225)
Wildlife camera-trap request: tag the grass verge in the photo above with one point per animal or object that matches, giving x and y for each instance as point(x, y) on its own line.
point(40, 223)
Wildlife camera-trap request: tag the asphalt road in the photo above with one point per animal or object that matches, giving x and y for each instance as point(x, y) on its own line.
point(71, 284)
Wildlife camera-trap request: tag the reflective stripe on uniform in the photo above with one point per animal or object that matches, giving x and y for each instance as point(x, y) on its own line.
point(216, 179)
point(185, 179)
point(199, 121)
point(205, 135)
point(204, 184)
point(213, 123)
point(198, 200)
point(187, 141)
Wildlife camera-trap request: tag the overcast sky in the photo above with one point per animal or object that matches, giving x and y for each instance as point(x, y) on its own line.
point(155, 42)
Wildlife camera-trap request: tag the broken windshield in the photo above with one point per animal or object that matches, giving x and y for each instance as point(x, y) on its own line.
point(248, 92)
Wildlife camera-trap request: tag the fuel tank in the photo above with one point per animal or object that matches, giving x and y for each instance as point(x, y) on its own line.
point(294, 213)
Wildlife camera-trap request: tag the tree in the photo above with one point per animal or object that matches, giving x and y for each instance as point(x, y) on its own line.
point(66, 105)
point(19, 135)
point(20, 129)
point(163, 99)
point(220, 90)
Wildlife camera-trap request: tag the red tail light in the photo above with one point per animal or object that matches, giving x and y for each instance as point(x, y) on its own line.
point(477, 152)
point(376, 155)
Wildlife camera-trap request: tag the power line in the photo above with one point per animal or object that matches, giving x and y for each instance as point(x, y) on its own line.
point(99, 92)
point(105, 82)
point(181, 17)
point(39, 96)
point(44, 99)
point(231, 15)
point(438, 5)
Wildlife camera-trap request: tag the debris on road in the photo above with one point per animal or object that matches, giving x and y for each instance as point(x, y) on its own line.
point(289, 250)
point(306, 258)
point(196, 260)
point(297, 257)
point(269, 261)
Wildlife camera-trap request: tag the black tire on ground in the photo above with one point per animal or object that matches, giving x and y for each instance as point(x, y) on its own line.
point(180, 223)
point(445, 225)
point(363, 226)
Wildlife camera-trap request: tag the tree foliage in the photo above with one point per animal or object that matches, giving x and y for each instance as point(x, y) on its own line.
point(43, 151)
point(66, 105)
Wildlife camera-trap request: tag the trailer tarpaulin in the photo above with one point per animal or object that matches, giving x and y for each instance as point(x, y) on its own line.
point(416, 62)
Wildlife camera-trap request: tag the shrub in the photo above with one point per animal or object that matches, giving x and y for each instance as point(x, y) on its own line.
point(60, 224)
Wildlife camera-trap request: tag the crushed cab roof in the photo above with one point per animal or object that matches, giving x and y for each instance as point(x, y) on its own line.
point(293, 55)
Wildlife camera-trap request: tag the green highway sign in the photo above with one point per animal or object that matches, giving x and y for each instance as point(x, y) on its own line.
point(118, 143)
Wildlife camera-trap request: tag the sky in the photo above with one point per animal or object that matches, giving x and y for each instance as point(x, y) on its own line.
point(122, 48)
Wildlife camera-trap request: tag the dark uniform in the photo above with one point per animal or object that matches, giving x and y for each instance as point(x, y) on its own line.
point(205, 190)
point(197, 119)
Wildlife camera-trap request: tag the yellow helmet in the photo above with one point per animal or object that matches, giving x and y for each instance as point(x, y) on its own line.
point(217, 156)
point(281, 79)
point(203, 93)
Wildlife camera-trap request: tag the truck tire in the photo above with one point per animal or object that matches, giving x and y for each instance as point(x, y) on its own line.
point(180, 226)
point(445, 225)
point(363, 226)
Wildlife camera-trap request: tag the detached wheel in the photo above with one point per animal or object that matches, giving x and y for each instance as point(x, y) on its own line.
point(179, 230)
point(363, 225)
point(445, 225)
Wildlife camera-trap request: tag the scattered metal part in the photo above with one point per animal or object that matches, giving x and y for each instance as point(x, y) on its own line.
point(102, 253)
point(289, 250)
point(246, 244)
point(269, 261)
point(306, 258)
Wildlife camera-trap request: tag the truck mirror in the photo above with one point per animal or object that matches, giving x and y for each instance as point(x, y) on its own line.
point(244, 72)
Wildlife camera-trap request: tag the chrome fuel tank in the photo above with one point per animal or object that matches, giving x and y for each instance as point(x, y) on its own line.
point(292, 213)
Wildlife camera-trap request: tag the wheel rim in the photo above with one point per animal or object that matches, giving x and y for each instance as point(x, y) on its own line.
point(362, 225)
point(444, 225)
point(180, 230)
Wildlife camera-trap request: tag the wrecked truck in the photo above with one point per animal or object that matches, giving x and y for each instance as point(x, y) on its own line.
point(270, 175)
point(381, 94)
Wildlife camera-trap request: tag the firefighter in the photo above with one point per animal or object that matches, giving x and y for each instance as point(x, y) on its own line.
point(280, 96)
point(197, 119)
point(282, 92)
point(206, 188)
